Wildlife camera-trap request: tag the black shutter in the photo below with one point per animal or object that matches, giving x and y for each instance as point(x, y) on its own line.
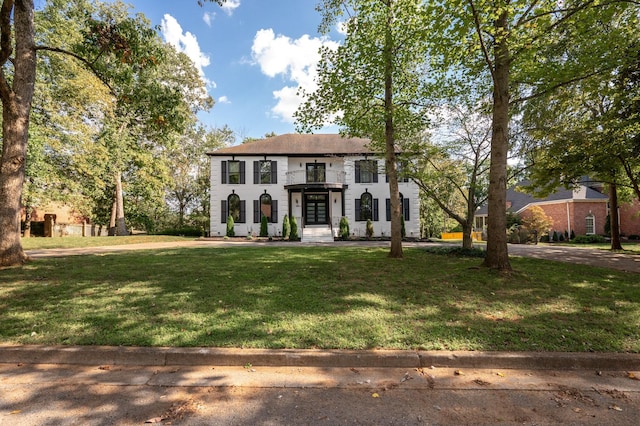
point(375, 171)
point(223, 211)
point(375, 210)
point(274, 211)
point(357, 173)
point(256, 211)
point(223, 168)
point(243, 211)
point(256, 172)
point(405, 206)
point(242, 171)
point(357, 209)
point(274, 172)
point(388, 206)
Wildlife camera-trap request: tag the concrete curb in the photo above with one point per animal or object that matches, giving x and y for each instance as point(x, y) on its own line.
point(164, 356)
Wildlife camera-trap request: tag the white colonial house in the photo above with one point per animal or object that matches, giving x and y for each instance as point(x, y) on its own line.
point(318, 179)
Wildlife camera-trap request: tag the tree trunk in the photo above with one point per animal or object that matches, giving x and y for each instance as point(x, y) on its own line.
point(613, 217)
point(390, 146)
point(121, 226)
point(467, 239)
point(28, 214)
point(497, 256)
point(16, 106)
point(112, 219)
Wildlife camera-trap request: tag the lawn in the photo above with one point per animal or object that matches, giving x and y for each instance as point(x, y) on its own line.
point(318, 297)
point(71, 242)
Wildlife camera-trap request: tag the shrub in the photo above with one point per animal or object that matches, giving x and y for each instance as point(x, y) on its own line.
point(286, 227)
point(344, 228)
point(293, 235)
point(185, 231)
point(634, 237)
point(369, 229)
point(588, 239)
point(555, 236)
point(457, 251)
point(264, 227)
point(573, 234)
point(231, 232)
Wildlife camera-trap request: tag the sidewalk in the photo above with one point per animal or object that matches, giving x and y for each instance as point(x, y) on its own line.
point(124, 385)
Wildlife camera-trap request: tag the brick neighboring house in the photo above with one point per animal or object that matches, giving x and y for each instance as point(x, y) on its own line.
point(316, 178)
point(60, 220)
point(582, 210)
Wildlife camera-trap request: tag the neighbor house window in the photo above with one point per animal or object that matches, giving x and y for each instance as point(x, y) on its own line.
point(590, 225)
point(265, 172)
point(233, 207)
point(233, 172)
point(366, 207)
point(366, 171)
point(265, 206)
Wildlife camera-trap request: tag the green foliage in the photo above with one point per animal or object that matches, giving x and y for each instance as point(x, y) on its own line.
point(369, 228)
point(185, 231)
point(293, 223)
point(588, 239)
point(555, 236)
point(264, 227)
point(231, 232)
point(286, 227)
point(344, 228)
point(607, 225)
point(456, 251)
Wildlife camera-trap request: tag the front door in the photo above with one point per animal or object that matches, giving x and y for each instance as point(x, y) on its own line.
point(316, 209)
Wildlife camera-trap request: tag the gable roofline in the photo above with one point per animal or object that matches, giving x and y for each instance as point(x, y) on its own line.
point(300, 145)
point(520, 201)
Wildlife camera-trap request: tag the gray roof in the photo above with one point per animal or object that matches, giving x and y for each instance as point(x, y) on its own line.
point(519, 200)
point(300, 145)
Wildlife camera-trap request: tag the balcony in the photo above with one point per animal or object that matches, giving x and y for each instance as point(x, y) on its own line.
point(317, 177)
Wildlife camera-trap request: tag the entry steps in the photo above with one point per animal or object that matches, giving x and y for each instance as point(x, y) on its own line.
point(317, 234)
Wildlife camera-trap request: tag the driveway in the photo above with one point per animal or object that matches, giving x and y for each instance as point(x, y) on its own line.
point(571, 254)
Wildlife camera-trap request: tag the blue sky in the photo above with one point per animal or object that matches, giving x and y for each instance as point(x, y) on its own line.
point(254, 54)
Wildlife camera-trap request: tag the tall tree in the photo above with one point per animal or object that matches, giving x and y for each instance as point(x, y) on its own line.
point(371, 85)
point(17, 81)
point(455, 162)
point(503, 45)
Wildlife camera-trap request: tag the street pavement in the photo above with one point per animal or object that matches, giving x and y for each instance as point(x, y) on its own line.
point(71, 385)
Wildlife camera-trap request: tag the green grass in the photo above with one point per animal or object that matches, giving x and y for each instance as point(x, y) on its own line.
point(71, 242)
point(318, 297)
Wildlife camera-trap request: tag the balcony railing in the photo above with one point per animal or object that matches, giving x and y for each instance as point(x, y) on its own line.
point(298, 177)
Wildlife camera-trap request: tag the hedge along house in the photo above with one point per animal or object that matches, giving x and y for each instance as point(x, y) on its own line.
point(317, 179)
point(582, 210)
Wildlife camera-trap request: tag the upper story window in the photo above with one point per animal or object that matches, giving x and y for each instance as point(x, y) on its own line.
point(265, 172)
point(366, 171)
point(233, 172)
point(316, 173)
point(402, 168)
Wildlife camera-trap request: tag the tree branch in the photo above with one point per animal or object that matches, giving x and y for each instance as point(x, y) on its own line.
point(483, 46)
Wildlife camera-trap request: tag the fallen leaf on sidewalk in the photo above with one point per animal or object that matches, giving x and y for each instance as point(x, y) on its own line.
point(16, 412)
point(375, 395)
point(615, 407)
point(481, 382)
point(104, 367)
point(500, 374)
point(632, 376)
point(155, 420)
point(458, 373)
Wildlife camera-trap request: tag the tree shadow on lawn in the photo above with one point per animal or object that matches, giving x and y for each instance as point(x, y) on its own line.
point(317, 297)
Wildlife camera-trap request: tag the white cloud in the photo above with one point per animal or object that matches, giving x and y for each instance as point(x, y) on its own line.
point(223, 100)
point(230, 5)
point(293, 60)
point(208, 17)
point(184, 42)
